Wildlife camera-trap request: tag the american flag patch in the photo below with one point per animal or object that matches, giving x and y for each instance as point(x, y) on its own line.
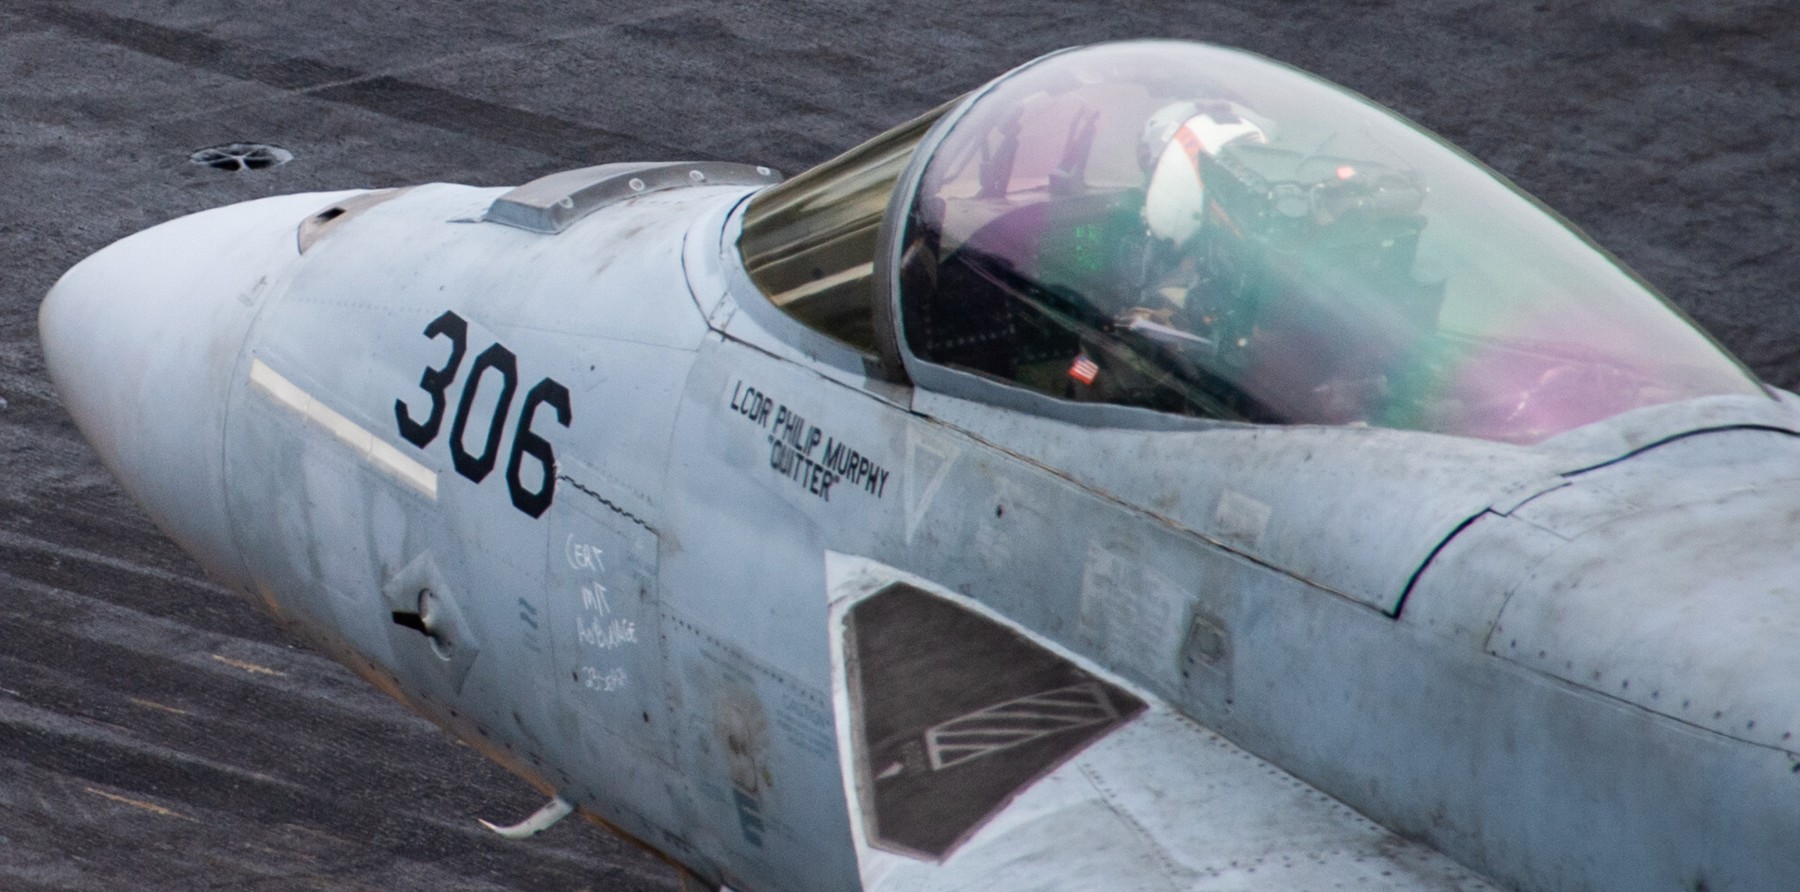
point(1084, 369)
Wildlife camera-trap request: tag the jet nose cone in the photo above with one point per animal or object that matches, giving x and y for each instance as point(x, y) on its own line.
point(142, 342)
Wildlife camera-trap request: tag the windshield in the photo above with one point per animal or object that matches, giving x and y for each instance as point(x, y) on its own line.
point(1203, 231)
point(809, 243)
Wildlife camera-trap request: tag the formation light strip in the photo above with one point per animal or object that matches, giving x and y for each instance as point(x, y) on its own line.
point(372, 448)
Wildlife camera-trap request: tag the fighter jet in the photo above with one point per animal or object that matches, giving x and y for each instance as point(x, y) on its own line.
point(1156, 469)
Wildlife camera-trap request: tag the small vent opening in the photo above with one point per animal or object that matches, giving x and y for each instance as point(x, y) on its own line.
point(239, 156)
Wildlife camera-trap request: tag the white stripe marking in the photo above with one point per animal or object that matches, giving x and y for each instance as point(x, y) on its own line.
point(372, 448)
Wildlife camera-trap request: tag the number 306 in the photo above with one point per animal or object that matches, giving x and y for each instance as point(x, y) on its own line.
point(495, 360)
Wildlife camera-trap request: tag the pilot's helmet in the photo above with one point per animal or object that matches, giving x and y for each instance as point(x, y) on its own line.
point(1173, 142)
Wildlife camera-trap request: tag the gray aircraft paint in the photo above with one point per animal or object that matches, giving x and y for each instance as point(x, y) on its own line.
point(702, 551)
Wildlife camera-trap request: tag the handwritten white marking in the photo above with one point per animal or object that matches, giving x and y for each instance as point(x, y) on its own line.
point(594, 598)
point(613, 679)
point(606, 635)
point(582, 556)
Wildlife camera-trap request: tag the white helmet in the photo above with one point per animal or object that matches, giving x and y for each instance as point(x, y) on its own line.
point(1173, 141)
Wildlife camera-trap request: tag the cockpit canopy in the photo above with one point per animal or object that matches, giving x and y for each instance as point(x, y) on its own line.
point(1200, 231)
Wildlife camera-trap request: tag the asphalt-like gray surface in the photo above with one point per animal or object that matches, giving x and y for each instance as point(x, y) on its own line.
point(157, 733)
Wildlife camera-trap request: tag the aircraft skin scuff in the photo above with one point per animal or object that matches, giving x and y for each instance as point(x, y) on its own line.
point(581, 494)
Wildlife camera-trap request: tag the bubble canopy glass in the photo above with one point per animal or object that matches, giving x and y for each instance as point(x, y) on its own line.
point(1202, 231)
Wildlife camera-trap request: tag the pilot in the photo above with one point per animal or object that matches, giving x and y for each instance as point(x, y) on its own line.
point(1171, 308)
point(1249, 277)
point(1280, 283)
point(1170, 148)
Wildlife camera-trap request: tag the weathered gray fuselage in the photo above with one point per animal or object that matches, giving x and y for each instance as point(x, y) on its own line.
point(1567, 665)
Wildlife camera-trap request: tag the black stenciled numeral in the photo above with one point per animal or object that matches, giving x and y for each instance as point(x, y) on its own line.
point(496, 358)
point(501, 360)
point(546, 392)
point(435, 381)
